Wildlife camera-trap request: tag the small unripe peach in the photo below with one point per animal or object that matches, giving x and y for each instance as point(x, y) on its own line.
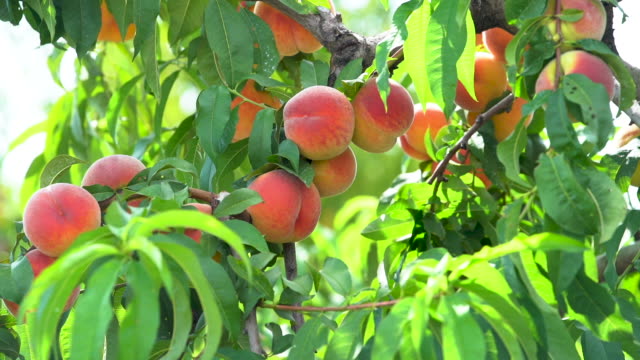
point(114, 171)
point(490, 81)
point(334, 176)
point(431, 119)
point(247, 111)
point(290, 210)
point(377, 129)
point(57, 214)
point(577, 62)
point(591, 25)
point(320, 120)
point(505, 123)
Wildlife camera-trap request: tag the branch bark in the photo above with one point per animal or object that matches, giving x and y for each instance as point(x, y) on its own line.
point(291, 270)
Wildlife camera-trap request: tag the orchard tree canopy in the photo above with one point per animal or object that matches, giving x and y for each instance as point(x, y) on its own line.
point(451, 187)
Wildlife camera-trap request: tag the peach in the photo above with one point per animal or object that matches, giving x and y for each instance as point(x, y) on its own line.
point(591, 25)
point(290, 36)
point(109, 30)
point(377, 129)
point(320, 120)
point(39, 261)
point(290, 210)
point(414, 153)
point(334, 176)
point(490, 81)
point(57, 214)
point(247, 111)
point(577, 62)
point(505, 123)
point(114, 171)
point(464, 157)
point(196, 234)
point(432, 119)
point(496, 41)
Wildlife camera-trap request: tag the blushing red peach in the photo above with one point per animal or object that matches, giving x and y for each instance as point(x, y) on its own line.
point(505, 123)
point(196, 234)
point(591, 26)
point(377, 129)
point(496, 40)
point(577, 62)
point(114, 171)
point(109, 30)
point(431, 119)
point(320, 120)
point(334, 176)
point(414, 153)
point(39, 261)
point(57, 214)
point(490, 81)
point(290, 36)
point(290, 210)
point(247, 111)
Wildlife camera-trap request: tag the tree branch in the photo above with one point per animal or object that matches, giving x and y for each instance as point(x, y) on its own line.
point(329, 308)
point(291, 270)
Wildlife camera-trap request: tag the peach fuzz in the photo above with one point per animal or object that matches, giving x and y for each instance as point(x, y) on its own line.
point(290, 36)
point(496, 41)
point(432, 119)
point(334, 176)
point(320, 120)
point(577, 62)
point(490, 81)
point(196, 234)
point(57, 214)
point(591, 25)
point(39, 261)
point(377, 129)
point(114, 171)
point(109, 30)
point(247, 111)
point(290, 210)
point(505, 123)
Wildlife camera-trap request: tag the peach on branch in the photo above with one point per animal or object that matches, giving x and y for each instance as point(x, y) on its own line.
point(247, 111)
point(290, 36)
point(40, 261)
point(591, 25)
point(334, 176)
point(431, 119)
point(577, 62)
point(196, 234)
point(414, 153)
point(377, 128)
point(290, 210)
point(505, 122)
point(57, 214)
point(496, 40)
point(490, 81)
point(320, 120)
point(114, 171)
point(109, 30)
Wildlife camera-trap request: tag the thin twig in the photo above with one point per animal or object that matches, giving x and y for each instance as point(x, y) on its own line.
point(251, 327)
point(291, 271)
point(297, 308)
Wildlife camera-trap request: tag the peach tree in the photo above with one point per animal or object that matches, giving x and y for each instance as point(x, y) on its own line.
point(451, 187)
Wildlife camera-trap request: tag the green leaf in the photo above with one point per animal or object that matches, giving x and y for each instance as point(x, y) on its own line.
point(561, 133)
point(150, 62)
point(182, 318)
point(237, 202)
point(566, 201)
point(260, 139)
point(163, 97)
point(384, 345)
point(115, 105)
point(348, 337)
point(461, 334)
point(416, 53)
point(306, 341)
point(265, 56)
point(81, 23)
point(260, 281)
point(249, 234)
point(382, 81)
point(122, 11)
point(90, 326)
point(10, 11)
point(313, 73)
point(140, 323)
point(230, 40)
point(27, 134)
point(594, 348)
point(46, 11)
point(337, 274)
point(56, 168)
point(145, 13)
point(212, 116)
point(228, 161)
point(185, 17)
point(510, 149)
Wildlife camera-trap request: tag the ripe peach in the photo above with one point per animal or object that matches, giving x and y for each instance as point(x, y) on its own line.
point(577, 62)
point(431, 119)
point(414, 153)
point(376, 130)
point(505, 123)
point(334, 176)
point(57, 214)
point(490, 81)
point(109, 30)
point(290, 210)
point(39, 261)
point(464, 157)
point(290, 36)
point(196, 234)
point(320, 120)
point(496, 41)
point(591, 26)
point(114, 171)
point(247, 111)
